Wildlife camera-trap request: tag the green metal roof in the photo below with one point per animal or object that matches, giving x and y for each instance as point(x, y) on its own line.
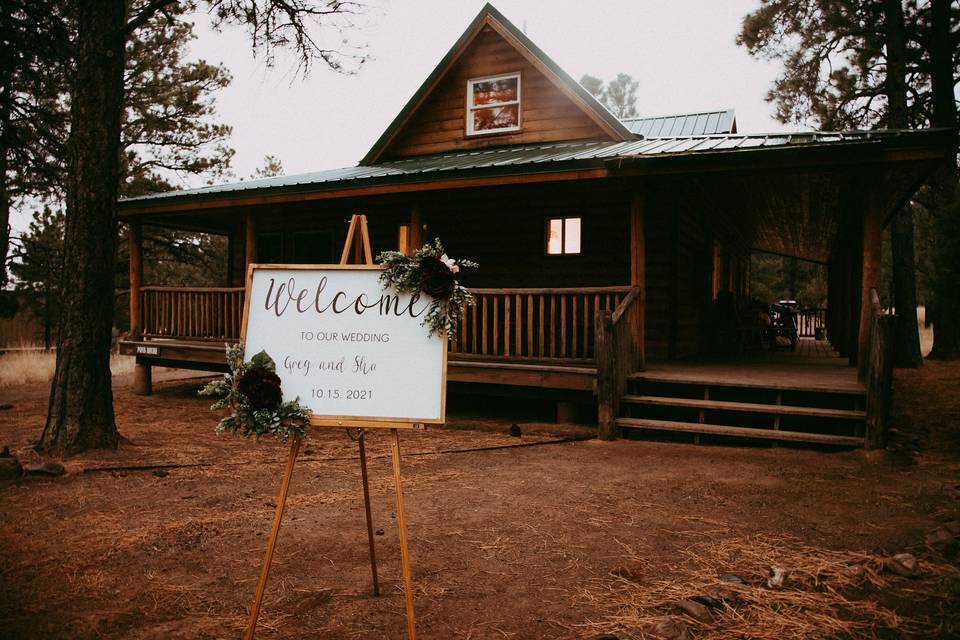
point(549, 157)
point(684, 124)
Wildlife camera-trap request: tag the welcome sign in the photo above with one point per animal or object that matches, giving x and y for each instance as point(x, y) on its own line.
point(354, 352)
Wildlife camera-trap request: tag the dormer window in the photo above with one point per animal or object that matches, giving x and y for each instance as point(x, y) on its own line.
point(493, 104)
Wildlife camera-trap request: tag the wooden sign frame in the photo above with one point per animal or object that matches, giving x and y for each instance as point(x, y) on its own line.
point(357, 243)
point(367, 422)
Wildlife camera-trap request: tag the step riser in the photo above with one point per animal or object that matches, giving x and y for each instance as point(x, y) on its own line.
point(753, 395)
point(751, 419)
point(738, 432)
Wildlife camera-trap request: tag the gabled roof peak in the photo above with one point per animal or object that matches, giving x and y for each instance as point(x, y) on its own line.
point(490, 16)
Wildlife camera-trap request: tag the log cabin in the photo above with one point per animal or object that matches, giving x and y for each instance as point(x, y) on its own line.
point(604, 245)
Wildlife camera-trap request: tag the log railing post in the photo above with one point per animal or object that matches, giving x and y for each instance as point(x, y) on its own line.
point(879, 380)
point(606, 355)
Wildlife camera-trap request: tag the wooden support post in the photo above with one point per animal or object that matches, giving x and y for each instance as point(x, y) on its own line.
point(401, 527)
point(638, 273)
point(869, 275)
point(142, 373)
point(142, 379)
point(250, 242)
point(879, 381)
point(135, 238)
point(272, 542)
point(416, 228)
point(366, 506)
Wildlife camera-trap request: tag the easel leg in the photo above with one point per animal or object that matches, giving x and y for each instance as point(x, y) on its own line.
point(268, 557)
point(404, 553)
point(366, 504)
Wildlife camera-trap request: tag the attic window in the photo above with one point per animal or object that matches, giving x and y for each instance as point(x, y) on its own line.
point(493, 104)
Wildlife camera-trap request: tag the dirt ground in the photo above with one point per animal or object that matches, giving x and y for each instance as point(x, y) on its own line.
point(560, 537)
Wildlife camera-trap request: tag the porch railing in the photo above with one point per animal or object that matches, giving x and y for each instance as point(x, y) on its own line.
point(191, 313)
point(619, 348)
point(809, 320)
point(504, 324)
point(534, 324)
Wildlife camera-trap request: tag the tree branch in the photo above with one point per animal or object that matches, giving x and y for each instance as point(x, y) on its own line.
point(145, 14)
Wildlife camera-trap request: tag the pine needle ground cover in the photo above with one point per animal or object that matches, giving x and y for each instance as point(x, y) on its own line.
point(541, 535)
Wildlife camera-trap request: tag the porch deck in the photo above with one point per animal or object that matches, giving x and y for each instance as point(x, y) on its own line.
point(814, 366)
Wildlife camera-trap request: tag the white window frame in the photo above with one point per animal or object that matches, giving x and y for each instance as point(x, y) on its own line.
point(471, 106)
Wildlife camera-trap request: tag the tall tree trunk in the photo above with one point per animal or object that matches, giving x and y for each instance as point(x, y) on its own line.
point(944, 211)
point(907, 337)
point(80, 414)
point(6, 108)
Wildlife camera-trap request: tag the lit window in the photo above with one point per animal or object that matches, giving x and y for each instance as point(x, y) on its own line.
point(493, 104)
point(563, 236)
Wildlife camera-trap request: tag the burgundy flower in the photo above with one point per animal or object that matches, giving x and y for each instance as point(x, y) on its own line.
point(436, 279)
point(261, 387)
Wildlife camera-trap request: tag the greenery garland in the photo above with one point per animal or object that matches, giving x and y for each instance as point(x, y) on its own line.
point(251, 390)
point(429, 270)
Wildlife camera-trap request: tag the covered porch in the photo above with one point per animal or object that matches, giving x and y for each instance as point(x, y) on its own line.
point(665, 230)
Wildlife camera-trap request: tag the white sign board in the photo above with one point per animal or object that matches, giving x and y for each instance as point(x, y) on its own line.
point(351, 350)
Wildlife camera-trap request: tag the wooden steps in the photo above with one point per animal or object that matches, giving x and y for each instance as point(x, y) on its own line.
point(739, 432)
point(745, 403)
point(751, 407)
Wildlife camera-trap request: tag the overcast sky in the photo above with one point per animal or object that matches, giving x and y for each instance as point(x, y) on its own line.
point(682, 52)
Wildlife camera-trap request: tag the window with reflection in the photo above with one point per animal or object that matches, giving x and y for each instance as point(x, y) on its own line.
point(493, 104)
point(563, 236)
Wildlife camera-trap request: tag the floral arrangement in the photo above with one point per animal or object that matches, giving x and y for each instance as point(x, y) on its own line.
point(432, 272)
point(251, 390)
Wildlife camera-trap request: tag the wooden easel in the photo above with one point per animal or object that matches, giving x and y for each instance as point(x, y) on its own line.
point(358, 244)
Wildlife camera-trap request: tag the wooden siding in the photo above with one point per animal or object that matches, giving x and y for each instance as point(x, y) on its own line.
point(439, 125)
point(501, 228)
point(505, 231)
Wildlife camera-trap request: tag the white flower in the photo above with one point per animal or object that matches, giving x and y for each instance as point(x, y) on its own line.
point(450, 262)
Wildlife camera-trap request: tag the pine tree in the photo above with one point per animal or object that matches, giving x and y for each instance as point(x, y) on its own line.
point(34, 67)
point(81, 400)
point(842, 63)
point(39, 269)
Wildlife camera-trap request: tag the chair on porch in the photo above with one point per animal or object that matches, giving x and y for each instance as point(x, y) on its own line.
point(737, 328)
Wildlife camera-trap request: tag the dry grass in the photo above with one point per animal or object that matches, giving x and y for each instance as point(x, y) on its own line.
point(30, 364)
point(826, 594)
